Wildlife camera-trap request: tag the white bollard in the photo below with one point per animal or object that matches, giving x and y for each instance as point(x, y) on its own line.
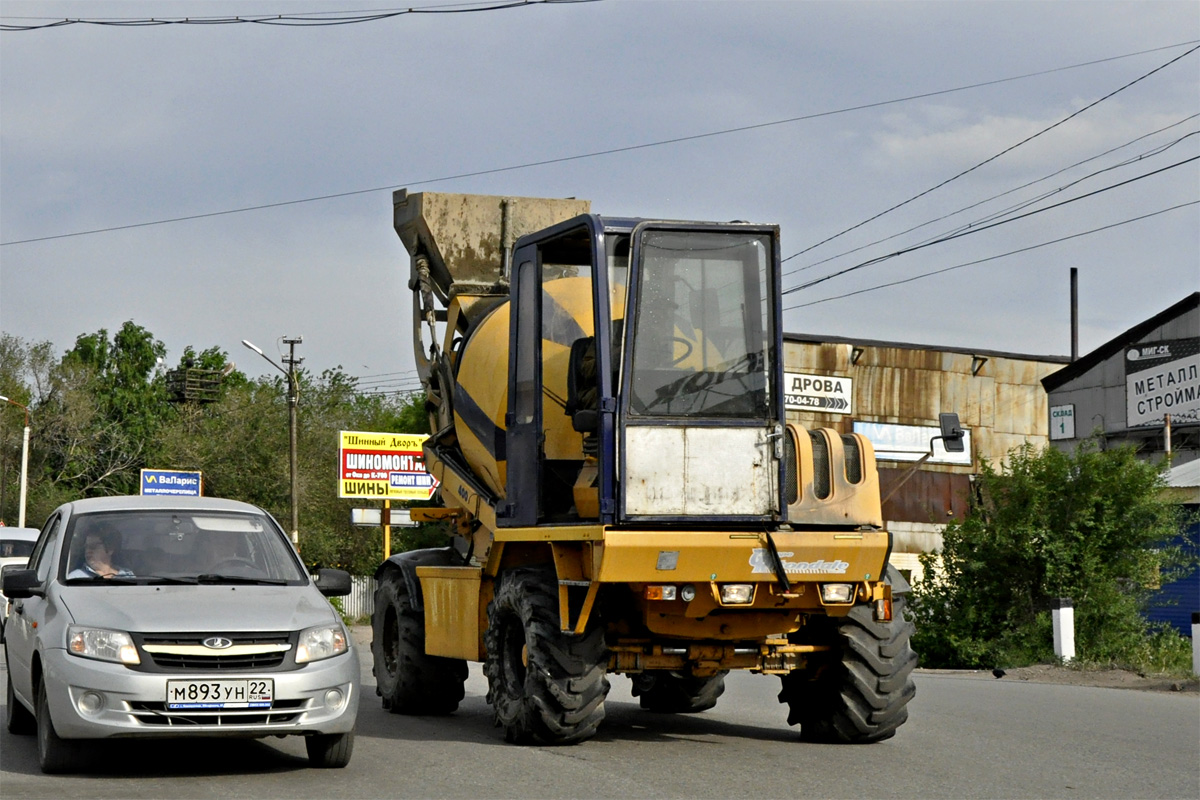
point(1196, 642)
point(1062, 613)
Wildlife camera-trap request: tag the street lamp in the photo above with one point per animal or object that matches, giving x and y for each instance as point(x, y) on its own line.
point(293, 400)
point(24, 460)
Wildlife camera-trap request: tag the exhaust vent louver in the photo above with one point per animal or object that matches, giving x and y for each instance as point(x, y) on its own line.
point(854, 466)
point(821, 477)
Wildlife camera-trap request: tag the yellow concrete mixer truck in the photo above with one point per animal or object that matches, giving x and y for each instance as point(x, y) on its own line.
point(621, 487)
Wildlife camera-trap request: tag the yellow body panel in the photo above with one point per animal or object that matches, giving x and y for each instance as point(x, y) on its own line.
point(453, 622)
point(636, 556)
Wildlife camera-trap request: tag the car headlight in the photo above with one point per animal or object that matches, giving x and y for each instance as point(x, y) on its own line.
point(322, 641)
point(102, 644)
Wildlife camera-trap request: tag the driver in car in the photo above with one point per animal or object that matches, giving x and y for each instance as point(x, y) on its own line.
point(98, 549)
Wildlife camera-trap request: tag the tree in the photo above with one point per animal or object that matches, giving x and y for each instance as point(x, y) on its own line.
point(1089, 525)
point(25, 369)
point(101, 413)
point(108, 404)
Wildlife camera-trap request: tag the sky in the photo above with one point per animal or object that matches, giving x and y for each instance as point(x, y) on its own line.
point(849, 124)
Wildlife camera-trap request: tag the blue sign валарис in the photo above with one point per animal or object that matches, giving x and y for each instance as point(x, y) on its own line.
point(170, 482)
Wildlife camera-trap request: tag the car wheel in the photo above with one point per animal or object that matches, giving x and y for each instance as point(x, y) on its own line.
point(16, 716)
point(54, 754)
point(329, 750)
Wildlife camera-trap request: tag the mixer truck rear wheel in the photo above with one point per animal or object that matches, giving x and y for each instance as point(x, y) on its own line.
point(861, 695)
point(545, 686)
point(408, 680)
point(677, 693)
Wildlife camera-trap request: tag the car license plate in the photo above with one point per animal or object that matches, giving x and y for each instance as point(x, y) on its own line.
point(221, 693)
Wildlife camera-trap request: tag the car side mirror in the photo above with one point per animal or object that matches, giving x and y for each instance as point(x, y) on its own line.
point(20, 582)
point(333, 582)
point(952, 433)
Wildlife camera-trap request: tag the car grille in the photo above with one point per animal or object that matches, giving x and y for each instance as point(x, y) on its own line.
point(186, 652)
point(284, 712)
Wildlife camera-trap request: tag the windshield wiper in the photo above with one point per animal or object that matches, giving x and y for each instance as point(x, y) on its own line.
point(212, 577)
point(168, 579)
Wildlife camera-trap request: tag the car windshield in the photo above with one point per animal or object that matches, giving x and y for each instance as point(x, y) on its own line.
point(140, 546)
point(15, 548)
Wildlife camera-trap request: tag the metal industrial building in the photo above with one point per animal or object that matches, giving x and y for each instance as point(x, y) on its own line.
point(1141, 388)
point(893, 393)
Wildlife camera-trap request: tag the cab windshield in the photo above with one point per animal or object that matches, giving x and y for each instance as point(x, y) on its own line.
point(176, 546)
point(702, 326)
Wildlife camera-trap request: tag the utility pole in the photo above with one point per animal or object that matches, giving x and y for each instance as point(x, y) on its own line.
point(24, 459)
point(293, 401)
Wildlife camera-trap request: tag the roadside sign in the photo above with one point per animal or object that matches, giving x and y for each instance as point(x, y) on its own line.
point(1162, 378)
point(911, 442)
point(384, 466)
point(1062, 422)
point(171, 482)
point(827, 394)
point(373, 517)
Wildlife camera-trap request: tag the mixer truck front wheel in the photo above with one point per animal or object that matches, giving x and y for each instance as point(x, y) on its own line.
point(545, 685)
point(667, 692)
point(408, 680)
point(863, 695)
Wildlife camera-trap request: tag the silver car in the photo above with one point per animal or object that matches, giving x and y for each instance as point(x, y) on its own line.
point(162, 616)
point(15, 546)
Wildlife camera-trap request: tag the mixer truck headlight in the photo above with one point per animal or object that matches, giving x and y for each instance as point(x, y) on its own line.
point(687, 593)
point(737, 594)
point(837, 592)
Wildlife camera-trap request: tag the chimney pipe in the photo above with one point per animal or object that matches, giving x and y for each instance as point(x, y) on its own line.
point(1074, 313)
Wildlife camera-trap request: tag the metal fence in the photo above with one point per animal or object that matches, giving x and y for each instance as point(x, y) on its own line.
point(361, 601)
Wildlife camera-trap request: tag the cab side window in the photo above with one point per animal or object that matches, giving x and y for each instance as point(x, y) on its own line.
point(43, 553)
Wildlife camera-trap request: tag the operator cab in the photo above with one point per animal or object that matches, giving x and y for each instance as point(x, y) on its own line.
point(644, 374)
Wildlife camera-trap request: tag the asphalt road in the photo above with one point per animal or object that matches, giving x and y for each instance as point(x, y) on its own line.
point(967, 738)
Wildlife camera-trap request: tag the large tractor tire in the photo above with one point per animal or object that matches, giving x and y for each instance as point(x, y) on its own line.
point(408, 680)
point(545, 686)
point(861, 693)
point(667, 692)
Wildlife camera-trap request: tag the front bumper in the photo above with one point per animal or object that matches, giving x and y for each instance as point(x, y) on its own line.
point(132, 704)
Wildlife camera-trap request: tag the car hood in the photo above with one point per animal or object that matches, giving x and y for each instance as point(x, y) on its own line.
point(183, 609)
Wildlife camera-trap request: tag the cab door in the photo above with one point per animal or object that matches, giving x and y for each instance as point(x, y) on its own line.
point(555, 292)
point(701, 410)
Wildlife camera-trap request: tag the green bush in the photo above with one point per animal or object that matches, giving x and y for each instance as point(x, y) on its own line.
point(1089, 526)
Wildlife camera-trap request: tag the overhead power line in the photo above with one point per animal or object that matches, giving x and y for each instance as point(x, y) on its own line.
point(981, 228)
point(1026, 185)
point(993, 258)
point(992, 158)
point(316, 19)
point(594, 154)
